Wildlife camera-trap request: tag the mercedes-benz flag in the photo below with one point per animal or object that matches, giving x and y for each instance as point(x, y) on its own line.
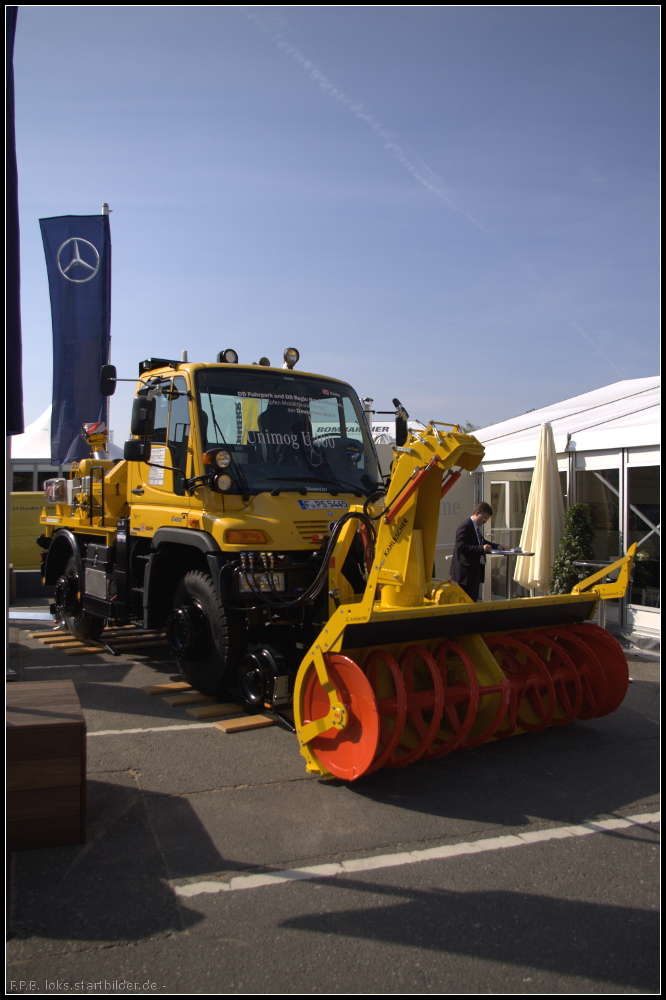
point(78, 263)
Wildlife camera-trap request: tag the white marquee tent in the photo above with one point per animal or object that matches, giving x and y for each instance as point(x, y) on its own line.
point(31, 454)
point(608, 455)
point(622, 415)
point(35, 442)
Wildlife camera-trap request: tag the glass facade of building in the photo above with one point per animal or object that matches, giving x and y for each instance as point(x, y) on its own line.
point(644, 520)
point(623, 497)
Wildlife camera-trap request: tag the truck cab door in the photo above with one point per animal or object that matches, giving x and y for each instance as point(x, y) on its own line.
point(157, 494)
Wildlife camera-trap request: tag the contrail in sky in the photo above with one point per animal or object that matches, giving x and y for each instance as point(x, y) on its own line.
point(421, 173)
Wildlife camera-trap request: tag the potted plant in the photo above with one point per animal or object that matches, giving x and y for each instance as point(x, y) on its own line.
point(576, 545)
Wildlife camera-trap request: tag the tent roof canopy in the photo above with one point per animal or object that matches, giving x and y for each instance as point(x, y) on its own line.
point(34, 445)
point(621, 415)
point(35, 442)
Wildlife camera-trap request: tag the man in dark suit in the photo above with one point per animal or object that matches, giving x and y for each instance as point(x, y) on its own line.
point(469, 555)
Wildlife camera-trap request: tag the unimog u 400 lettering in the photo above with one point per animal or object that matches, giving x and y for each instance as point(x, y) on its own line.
point(250, 520)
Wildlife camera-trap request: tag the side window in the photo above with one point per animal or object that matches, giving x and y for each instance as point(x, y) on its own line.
point(161, 414)
point(179, 432)
point(354, 447)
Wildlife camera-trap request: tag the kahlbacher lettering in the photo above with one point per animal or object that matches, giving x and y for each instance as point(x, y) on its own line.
point(395, 537)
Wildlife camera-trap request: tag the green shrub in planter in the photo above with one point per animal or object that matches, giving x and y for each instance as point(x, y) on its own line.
point(576, 545)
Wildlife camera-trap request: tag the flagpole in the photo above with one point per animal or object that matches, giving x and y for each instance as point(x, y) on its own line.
point(107, 211)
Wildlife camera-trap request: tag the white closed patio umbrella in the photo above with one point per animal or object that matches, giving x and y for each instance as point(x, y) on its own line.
point(544, 518)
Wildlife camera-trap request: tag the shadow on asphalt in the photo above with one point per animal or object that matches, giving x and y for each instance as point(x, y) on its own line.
point(45, 655)
point(107, 696)
point(565, 937)
point(564, 774)
point(113, 887)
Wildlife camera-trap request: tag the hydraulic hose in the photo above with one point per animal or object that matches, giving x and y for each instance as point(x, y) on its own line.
point(317, 585)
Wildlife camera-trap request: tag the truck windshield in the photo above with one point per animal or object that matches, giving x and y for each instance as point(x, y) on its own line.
point(288, 431)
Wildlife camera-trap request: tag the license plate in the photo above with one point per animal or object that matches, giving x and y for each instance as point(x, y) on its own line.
point(250, 583)
point(323, 505)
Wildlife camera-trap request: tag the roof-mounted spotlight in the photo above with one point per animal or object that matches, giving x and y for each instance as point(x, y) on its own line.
point(228, 357)
point(291, 356)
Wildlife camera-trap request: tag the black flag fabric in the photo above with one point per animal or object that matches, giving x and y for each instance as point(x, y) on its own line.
point(14, 378)
point(78, 263)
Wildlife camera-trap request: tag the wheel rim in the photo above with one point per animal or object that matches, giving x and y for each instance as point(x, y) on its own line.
point(252, 681)
point(65, 598)
point(187, 632)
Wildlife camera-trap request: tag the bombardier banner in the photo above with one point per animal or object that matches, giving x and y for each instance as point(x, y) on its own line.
point(78, 263)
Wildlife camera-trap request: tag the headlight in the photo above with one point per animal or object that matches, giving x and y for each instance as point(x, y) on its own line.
point(223, 482)
point(228, 357)
point(291, 356)
point(217, 457)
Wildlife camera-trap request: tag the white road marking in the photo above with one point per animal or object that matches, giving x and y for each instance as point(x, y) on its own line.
point(31, 616)
point(69, 666)
point(413, 857)
point(153, 729)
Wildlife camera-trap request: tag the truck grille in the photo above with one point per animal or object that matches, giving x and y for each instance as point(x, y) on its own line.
point(307, 529)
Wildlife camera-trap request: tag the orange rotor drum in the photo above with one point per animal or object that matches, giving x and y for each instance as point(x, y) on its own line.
point(424, 704)
point(391, 699)
point(346, 753)
point(613, 660)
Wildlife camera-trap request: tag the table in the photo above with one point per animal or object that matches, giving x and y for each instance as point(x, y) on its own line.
point(507, 555)
point(509, 552)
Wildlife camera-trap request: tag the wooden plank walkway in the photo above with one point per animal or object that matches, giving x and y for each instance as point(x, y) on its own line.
point(125, 639)
point(176, 694)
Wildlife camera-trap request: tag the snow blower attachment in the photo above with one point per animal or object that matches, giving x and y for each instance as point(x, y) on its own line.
point(412, 668)
point(215, 527)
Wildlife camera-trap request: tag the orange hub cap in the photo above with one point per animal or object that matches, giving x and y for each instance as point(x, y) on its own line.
point(347, 753)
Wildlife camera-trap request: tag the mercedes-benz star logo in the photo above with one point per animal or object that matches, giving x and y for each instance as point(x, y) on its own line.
point(78, 261)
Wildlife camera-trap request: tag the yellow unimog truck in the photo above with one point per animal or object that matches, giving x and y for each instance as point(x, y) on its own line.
point(250, 520)
point(215, 525)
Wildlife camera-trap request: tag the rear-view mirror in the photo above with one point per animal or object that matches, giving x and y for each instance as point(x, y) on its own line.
point(107, 380)
point(401, 418)
point(143, 416)
point(136, 451)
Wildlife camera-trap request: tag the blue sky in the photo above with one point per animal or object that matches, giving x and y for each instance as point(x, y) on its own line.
point(457, 206)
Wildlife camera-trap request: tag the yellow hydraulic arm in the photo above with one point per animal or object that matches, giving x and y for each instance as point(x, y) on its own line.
point(616, 588)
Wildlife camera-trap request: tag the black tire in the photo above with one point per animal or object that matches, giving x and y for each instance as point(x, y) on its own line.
point(207, 639)
point(80, 623)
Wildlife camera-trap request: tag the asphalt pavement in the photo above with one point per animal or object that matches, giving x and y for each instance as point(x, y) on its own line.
point(192, 881)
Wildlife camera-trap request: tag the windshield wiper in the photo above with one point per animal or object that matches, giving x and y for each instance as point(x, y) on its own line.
point(299, 479)
point(295, 479)
point(242, 481)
